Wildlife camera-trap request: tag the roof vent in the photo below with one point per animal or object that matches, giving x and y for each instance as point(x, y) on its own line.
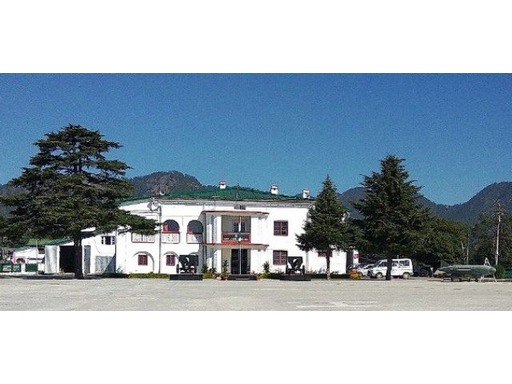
point(274, 189)
point(305, 194)
point(222, 184)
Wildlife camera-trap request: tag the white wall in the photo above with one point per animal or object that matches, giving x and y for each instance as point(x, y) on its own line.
point(262, 233)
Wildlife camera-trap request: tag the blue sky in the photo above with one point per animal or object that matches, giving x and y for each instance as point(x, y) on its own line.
point(453, 130)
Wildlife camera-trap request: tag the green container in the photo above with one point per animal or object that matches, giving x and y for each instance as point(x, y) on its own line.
point(30, 267)
point(508, 273)
point(5, 268)
point(16, 267)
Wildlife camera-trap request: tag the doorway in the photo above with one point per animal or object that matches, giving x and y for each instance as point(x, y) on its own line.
point(240, 265)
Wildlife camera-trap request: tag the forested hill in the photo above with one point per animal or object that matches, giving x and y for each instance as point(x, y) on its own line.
point(164, 182)
point(468, 212)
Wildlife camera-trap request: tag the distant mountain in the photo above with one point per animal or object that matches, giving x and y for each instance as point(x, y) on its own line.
point(468, 212)
point(164, 182)
point(6, 190)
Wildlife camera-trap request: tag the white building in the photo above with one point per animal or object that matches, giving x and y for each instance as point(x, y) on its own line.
point(244, 227)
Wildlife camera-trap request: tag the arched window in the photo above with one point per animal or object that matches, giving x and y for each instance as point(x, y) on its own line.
point(195, 232)
point(170, 232)
point(170, 226)
point(142, 262)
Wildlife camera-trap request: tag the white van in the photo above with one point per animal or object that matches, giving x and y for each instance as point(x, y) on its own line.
point(399, 268)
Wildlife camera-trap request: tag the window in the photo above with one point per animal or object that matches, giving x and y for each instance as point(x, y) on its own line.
point(404, 263)
point(280, 228)
point(195, 232)
point(108, 240)
point(170, 226)
point(170, 232)
point(138, 238)
point(143, 259)
point(239, 226)
point(280, 257)
point(170, 260)
point(322, 254)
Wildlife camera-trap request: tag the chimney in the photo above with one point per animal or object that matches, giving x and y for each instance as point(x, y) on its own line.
point(305, 194)
point(274, 189)
point(222, 184)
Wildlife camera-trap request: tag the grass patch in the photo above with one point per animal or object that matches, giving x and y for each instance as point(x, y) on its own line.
point(148, 276)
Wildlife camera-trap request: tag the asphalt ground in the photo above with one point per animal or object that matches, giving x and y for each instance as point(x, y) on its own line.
point(228, 331)
point(415, 294)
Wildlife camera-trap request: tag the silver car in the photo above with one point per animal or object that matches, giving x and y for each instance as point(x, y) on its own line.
point(363, 269)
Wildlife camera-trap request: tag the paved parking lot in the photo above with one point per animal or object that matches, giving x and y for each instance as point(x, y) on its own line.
point(418, 294)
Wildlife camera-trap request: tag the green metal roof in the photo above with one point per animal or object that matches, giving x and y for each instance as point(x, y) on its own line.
point(43, 242)
point(229, 193)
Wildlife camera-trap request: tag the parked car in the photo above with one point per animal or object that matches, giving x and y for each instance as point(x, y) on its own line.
point(423, 270)
point(399, 268)
point(363, 269)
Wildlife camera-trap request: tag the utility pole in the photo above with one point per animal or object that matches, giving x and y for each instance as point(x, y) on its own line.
point(156, 205)
point(498, 213)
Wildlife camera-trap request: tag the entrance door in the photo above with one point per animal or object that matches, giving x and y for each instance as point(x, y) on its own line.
point(240, 265)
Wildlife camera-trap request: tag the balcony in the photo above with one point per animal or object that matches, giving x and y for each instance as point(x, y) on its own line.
point(194, 238)
point(170, 238)
point(236, 237)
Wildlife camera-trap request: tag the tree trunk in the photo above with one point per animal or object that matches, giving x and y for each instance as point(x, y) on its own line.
point(328, 264)
point(388, 269)
point(79, 265)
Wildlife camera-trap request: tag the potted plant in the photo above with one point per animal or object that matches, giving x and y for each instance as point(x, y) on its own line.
point(224, 273)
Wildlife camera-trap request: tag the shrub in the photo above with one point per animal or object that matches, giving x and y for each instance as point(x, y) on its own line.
point(500, 271)
point(224, 273)
point(150, 275)
point(209, 274)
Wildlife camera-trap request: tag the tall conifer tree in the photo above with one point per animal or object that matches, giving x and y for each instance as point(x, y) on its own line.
point(72, 186)
point(326, 228)
point(393, 220)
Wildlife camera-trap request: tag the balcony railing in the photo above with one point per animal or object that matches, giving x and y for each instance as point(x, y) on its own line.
point(236, 237)
point(171, 238)
point(194, 238)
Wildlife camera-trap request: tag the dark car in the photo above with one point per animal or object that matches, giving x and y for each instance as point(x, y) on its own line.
point(423, 271)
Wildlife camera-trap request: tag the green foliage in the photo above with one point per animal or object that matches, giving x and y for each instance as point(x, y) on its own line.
point(326, 228)
point(149, 275)
point(208, 273)
point(500, 271)
point(225, 272)
point(266, 271)
point(483, 239)
point(394, 221)
point(444, 240)
point(72, 186)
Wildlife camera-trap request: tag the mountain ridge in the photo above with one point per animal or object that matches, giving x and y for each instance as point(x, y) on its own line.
point(467, 212)
point(163, 182)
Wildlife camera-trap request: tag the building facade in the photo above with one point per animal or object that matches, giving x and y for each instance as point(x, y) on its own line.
point(239, 228)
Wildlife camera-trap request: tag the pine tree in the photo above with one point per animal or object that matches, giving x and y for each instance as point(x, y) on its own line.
point(326, 228)
point(393, 220)
point(484, 236)
point(72, 186)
